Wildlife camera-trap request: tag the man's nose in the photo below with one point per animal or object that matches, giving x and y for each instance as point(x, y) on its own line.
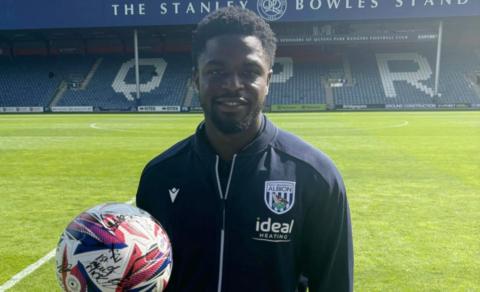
point(233, 81)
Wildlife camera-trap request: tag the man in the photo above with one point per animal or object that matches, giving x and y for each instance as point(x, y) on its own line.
point(247, 206)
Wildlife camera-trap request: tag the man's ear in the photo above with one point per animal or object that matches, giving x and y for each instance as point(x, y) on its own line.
point(269, 77)
point(195, 79)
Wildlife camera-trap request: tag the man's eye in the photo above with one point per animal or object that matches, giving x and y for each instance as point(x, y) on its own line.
point(215, 72)
point(251, 73)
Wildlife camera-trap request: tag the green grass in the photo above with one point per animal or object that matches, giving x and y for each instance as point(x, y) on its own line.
point(413, 183)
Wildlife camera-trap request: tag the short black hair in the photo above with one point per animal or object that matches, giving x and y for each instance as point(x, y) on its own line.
point(233, 20)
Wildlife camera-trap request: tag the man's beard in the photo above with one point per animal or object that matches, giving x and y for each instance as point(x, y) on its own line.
point(232, 125)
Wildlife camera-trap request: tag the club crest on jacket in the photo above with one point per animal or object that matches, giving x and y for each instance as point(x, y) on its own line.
point(279, 195)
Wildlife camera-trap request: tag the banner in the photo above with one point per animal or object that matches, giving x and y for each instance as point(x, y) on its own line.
point(22, 109)
point(446, 105)
point(298, 107)
point(42, 14)
point(411, 106)
point(71, 109)
point(353, 106)
point(195, 109)
point(157, 108)
point(359, 106)
point(363, 37)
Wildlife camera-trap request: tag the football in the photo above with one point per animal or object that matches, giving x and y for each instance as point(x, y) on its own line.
point(114, 247)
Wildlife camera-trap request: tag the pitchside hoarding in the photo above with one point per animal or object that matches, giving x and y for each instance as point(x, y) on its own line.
point(40, 14)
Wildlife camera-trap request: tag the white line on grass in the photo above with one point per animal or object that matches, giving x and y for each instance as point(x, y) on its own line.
point(30, 269)
point(94, 126)
point(405, 123)
point(27, 271)
point(400, 125)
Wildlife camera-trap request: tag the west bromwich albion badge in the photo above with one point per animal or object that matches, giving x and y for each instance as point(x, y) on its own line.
point(279, 195)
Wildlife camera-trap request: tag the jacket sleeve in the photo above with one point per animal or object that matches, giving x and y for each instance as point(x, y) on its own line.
point(150, 199)
point(146, 198)
point(327, 246)
point(143, 195)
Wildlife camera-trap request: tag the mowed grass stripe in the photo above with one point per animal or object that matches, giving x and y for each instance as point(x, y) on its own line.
point(419, 206)
point(413, 189)
point(44, 186)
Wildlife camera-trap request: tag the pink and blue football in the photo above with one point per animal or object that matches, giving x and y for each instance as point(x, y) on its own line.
point(114, 247)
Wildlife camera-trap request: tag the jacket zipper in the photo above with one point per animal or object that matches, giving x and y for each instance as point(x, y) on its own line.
point(223, 198)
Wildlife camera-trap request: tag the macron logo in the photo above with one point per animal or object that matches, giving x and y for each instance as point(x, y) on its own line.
point(173, 193)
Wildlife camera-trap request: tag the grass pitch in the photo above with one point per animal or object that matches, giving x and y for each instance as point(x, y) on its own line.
point(413, 182)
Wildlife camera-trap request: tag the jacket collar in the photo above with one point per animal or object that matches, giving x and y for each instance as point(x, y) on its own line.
point(260, 143)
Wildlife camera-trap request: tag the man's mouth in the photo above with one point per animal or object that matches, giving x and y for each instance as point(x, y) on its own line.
point(231, 102)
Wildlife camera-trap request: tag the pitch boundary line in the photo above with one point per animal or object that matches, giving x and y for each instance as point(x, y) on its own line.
point(405, 123)
point(400, 125)
point(27, 271)
point(33, 267)
point(94, 126)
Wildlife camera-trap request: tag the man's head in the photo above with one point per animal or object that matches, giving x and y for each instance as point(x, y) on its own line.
point(233, 52)
point(229, 21)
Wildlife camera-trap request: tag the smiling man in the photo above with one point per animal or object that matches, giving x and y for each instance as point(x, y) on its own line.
point(232, 78)
point(248, 206)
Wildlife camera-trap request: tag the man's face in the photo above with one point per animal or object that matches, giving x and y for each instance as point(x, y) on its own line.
point(232, 78)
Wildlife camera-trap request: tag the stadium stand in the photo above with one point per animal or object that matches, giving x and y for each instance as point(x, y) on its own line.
point(296, 83)
point(174, 84)
point(360, 76)
point(163, 81)
point(30, 48)
point(365, 86)
point(407, 77)
point(27, 81)
point(344, 57)
point(455, 84)
point(96, 92)
point(5, 50)
point(67, 46)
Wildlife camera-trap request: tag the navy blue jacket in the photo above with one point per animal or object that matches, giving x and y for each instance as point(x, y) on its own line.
point(282, 212)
